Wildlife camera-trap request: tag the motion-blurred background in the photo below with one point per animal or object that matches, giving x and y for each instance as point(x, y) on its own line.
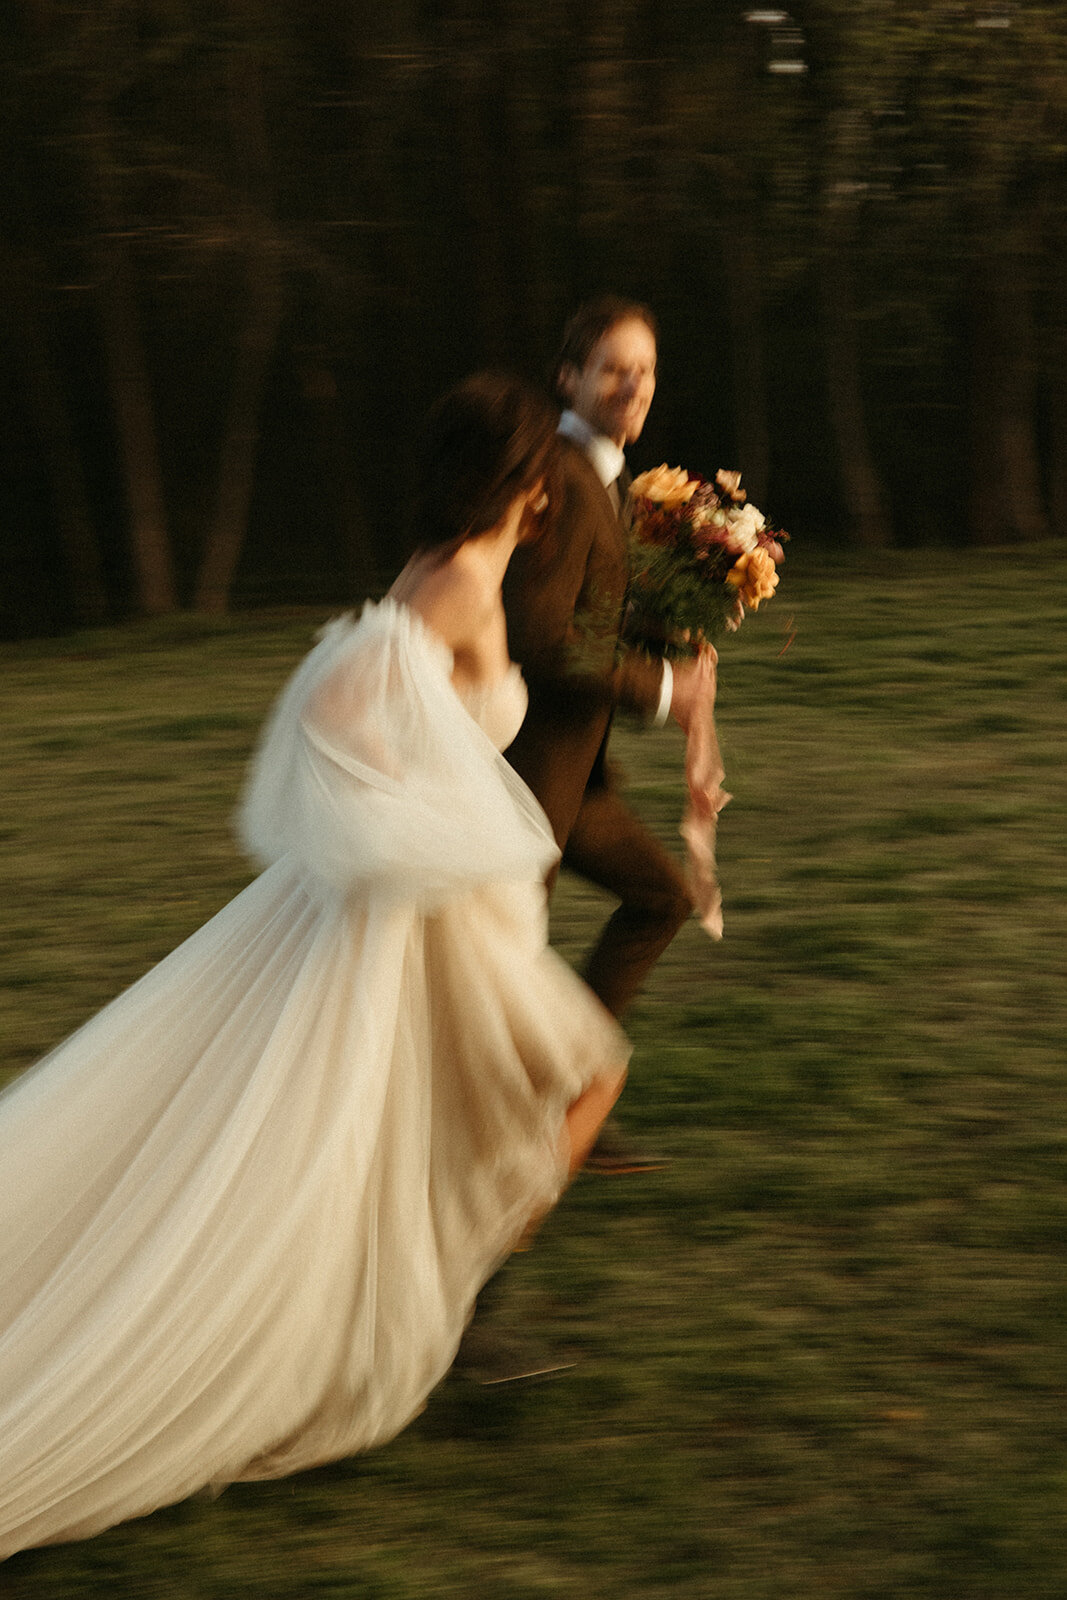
point(244, 244)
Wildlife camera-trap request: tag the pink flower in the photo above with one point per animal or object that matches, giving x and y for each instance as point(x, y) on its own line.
point(772, 547)
point(707, 530)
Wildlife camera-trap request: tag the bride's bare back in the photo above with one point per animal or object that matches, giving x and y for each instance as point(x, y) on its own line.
point(457, 595)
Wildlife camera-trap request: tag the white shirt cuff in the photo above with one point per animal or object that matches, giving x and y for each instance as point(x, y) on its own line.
point(666, 691)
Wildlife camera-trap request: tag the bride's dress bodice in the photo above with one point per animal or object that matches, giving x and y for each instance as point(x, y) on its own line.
point(498, 708)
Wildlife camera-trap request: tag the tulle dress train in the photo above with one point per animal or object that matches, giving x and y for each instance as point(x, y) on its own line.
point(248, 1206)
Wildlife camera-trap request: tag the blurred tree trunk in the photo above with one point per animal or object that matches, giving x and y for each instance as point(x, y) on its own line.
point(572, 235)
point(735, 247)
point(258, 335)
point(256, 343)
point(740, 135)
point(131, 391)
point(51, 419)
point(1006, 501)
point(124, 352)
point(331, 446)
point(863, 490)
point(861, 482)
point(512, 109)
point(599, 113)
point(741, 260)
point(743, 270)
point(30, 168)
point(741, 221)
point(1057, 474)
point(470, 92)
point(1052, 342)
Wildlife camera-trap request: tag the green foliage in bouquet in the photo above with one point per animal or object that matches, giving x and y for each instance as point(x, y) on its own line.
point(674, 602)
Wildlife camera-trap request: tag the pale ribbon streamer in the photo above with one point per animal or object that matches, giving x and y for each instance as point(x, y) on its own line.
point(704, 773)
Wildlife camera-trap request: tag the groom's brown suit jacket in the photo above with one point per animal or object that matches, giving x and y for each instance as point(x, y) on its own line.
point(564, 597)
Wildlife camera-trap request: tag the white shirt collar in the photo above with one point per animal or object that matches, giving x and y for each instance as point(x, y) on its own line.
point(605, 456)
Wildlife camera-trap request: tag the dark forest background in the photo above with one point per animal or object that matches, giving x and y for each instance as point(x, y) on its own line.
point(243, 244)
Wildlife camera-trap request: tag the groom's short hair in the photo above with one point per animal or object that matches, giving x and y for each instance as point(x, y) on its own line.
point(591, 322)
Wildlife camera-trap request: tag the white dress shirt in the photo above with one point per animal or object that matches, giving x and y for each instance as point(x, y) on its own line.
point(605, 456)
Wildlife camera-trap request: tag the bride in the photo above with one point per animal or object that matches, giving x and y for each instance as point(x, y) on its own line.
point(248, 1207)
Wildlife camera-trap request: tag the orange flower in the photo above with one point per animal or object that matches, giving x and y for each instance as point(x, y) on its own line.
point(755, 577)
point(730, 484)
point(668, 486)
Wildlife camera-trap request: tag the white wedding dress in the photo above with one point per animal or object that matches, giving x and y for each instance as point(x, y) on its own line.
point(247, 1208)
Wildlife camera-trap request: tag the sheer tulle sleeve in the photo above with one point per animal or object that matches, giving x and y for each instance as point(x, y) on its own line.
point(371, 776)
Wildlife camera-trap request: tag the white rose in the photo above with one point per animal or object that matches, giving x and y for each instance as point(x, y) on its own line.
point(744, 525)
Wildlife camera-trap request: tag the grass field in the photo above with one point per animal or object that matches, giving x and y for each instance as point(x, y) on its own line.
point(823, 1352)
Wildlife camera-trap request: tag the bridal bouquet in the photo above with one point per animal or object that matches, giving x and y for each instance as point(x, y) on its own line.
point(701, 555)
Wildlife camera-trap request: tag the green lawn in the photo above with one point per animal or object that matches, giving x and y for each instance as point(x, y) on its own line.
point(823, 1353)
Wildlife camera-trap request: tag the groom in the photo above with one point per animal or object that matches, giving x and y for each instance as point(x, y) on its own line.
point(564, 597)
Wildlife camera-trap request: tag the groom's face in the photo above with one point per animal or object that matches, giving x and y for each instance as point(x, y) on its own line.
point(614, 389)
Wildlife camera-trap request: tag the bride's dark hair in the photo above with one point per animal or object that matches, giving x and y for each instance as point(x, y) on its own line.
point(482, 444)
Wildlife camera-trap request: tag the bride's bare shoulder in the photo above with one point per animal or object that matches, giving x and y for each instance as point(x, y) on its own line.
point(455, 597)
